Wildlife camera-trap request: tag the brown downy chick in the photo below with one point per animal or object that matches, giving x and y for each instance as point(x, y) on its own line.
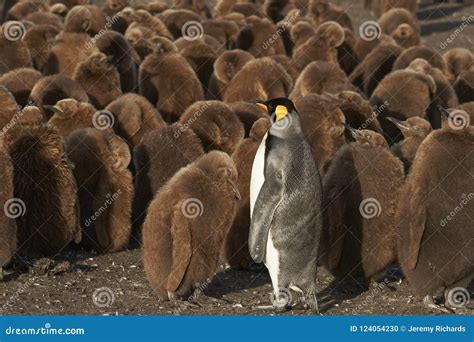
point(259, 38)
point(435, 246)
point(261, 78)
point(320, 77)
point(198, 202)
point(114, 45)
point(44, 184)
point(375, 66)
point(226, 66)
point(71, 115)
point(51, 89)
point(321, 11)
point(412, 100)
point(168, 81)
point(99, 78)
point(8, 108)
point(8, 230)
point(391, 20)
point(444, 97)
point(414, 131)
point(215, 124)
point(362, 189)
point(39, 38)
point(105, 188)
point(323, 127)
point(73, 45)
point(20, 82)
point(458, 60)
point(248, 113)
point(358, 112)
point(406, 36)
point(160, 154)
point(14, 51)
point(134, 117)
point(175, 20)
point(428, 54)
point(321, 47)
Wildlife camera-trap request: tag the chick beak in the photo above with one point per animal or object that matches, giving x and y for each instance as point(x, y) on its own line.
point(354, 132)
point(397, 123)
point(54, 109)
point(236, 192)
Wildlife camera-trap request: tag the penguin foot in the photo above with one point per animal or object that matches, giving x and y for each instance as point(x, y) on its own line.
point(428, 301)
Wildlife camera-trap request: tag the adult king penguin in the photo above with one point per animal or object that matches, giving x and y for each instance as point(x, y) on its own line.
point(285, 207)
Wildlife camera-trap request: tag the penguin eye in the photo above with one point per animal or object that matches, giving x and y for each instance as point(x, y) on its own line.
point(415, 128)
point(228, 172)
point(279, 174)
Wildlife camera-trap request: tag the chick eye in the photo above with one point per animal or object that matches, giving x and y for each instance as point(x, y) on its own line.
point(415, 128)
point(279, 174)
point(228, 172)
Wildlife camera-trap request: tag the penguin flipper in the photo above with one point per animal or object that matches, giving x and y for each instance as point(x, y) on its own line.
point(182, 249)
point(268, 201)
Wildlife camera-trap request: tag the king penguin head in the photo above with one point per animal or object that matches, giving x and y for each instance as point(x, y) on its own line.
point(279, 108)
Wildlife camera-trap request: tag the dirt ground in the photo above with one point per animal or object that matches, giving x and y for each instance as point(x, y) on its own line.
point(67, 284)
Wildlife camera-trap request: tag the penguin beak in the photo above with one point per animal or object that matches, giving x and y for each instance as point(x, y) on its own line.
point(236, 192)
point(397, 123)
point(354, 132)
point(280, 112)
point(54, 109)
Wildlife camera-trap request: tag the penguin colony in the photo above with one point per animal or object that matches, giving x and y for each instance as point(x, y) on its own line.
point(252, 131)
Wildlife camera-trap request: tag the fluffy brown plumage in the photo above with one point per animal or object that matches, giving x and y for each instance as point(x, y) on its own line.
point(375, 66)
point(323, 126)
point(320, 77)
point(38, 39)
point(261, 78)
point(8, 230)
point(226, 66)
point(20, 82)
point(14, 51)
point(70, 115)
point(134, 117)
point(186, 225)
point(72, 45)
point(248, 113)
point(413, 99)
point(414, 131)
point(99, 78)
point(105, 188)
point(321, 47)
point(215, 124)
point(435, 232)
point(51, 89)
point(44, 182)
point(259, 37)
point(161, 153)
point(361, 188)
point(168, 81)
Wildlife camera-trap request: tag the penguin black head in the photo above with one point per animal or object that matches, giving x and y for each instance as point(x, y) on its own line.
point(281, 107)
